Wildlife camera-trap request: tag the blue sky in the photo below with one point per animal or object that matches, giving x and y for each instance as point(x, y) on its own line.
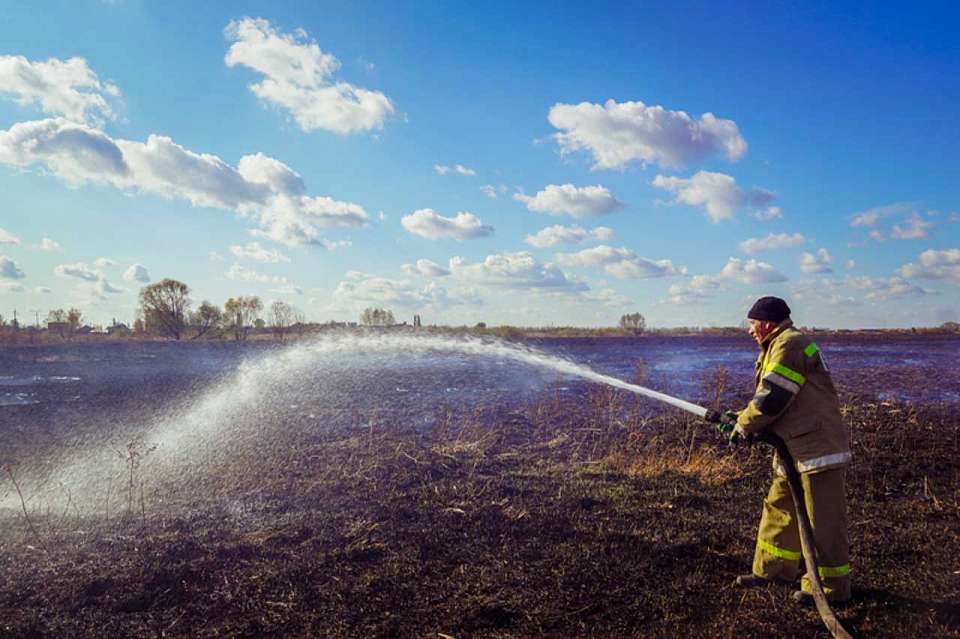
point(532, 166)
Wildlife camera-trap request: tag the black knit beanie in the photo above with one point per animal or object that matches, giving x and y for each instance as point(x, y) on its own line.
point(772, 309)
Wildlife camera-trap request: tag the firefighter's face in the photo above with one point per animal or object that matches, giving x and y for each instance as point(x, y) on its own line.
point(760, 329)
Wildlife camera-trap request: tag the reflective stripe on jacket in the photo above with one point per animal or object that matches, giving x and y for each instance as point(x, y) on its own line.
point(796, 399)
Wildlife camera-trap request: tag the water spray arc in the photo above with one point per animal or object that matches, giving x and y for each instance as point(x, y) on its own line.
point(257, 379)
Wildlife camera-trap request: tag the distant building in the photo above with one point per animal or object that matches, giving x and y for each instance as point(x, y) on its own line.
point(58, 327)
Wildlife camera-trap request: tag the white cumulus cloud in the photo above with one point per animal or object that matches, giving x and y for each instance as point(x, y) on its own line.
point(459, 169)
point(751, 272)
point(870, 217)
point(819, 263)
point(8, 238)
point(9, 269)
point(519, 270)
point(77, 270)
point(254, 251)
point(242, 274)
point(426, 268)
point(771, 242)
point(61, 87)
point(717, 193)
point(559, 234)
point(51, 246)
point(429, 224)
point(137, 273)
point(622, 263)
point(260, 187)
point(767, 214)
point(359, 289)
point(567, 199)
point(916, 228)
point(879, 289)
point(300, 77)
point(934, 265)
point(619, 133)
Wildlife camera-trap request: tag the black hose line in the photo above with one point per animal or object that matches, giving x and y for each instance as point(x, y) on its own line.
point(807, 543)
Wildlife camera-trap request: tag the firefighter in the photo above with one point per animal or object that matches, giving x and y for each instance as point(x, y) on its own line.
point(796, 400)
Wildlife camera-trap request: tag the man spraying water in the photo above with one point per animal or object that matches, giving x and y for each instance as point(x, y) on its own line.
point(795, 400)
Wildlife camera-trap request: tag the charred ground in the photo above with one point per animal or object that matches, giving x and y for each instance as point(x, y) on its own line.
point(570, 518)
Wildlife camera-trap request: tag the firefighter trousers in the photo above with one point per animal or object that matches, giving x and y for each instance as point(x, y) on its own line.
point(778, 554)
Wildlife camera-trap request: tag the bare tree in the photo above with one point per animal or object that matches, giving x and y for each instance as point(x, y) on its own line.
point(164, 306)
point(205, 318)
point(299, 321)
point(241, 312)
point(281, 318)
point(74, 318)
point(634, 322)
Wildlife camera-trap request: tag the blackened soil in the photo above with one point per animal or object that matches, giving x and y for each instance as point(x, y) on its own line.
point(562, 521)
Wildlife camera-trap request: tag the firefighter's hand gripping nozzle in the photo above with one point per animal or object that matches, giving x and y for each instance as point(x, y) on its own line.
point(727, 426)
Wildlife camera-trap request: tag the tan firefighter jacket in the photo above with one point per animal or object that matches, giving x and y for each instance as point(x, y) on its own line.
point(796, 400)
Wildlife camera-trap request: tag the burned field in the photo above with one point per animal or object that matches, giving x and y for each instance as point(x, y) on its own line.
point(567, 518)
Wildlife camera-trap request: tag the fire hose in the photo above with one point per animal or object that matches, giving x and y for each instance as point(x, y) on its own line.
point(807, 543)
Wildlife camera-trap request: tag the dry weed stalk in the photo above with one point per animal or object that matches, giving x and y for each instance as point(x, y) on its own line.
point(8, 469)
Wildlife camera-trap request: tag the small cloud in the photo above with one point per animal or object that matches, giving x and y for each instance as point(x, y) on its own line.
point(916, 228)
point(459, 169)
point(751, 272)
point(934, 265)
point(718, 193)
point(881, 289)
point(332, 245)
point(463, 226)
point(104, 287)
point(425, 268)
point(137, 273)
point(66, 88)
point(819, 263)
point(104, 262)
point(567, 199)
point(851, 264)
point(9, 269)
point(489, 190)
point(300, 77)
point(77, 270)
point(51, 246)
point(767, 214)
point(870, 217)
point(621, 263)
point(215, 257)
point(382, 216)
point(559, 234)
point(43, 289)
point(617, 133)
point(8, 238)
point(254, 251)
point(12, 287)
point(771, 242)
point(242, 274)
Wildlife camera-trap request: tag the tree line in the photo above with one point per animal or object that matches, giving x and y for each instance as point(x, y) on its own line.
point(165, 309)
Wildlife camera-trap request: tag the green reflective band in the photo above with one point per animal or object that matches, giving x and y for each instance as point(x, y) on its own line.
point(792, 555)
point(831, 571)
point(811, 349)
point(789, 374)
